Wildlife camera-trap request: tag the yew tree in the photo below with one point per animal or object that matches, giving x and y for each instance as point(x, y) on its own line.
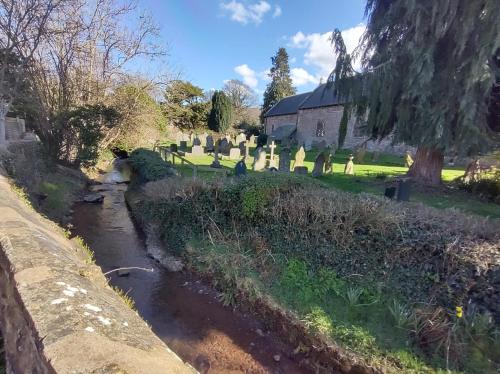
point(428, 68)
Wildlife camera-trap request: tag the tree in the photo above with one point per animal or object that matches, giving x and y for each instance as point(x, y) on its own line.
point(281, 83)
point(241, 97)
point(220, 116)
point(427, 74)
point(185, 106)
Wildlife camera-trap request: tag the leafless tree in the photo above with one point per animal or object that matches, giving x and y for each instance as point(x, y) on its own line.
point(241, 95)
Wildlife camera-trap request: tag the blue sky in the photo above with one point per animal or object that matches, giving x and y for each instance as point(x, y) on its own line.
point(210, 41)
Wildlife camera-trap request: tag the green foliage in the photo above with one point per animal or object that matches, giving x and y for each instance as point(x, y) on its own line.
point(220, 116)
point(90, 257)
point(343, 125)
point(125, 297)
point(149, 166)
point(281, 84)
point(488, 186)
point(185, 106)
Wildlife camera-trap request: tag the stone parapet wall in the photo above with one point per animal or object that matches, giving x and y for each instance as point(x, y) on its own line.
point(57, 313)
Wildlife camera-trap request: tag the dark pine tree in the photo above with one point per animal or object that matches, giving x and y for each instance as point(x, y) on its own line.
point(428, 69)
point(220, 116)
point(281, 84)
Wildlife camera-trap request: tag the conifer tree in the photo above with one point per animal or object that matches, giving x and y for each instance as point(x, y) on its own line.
point(281, 84)
point(220, 116)
point(428, 71)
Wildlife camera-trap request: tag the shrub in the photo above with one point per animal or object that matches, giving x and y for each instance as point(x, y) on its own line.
point(149, 166)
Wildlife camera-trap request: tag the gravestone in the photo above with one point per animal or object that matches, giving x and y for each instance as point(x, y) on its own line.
point(328, 161)
point(210, 144)
point(390, 192)
point(360, 155)
point(191, 137)
point(240, 138)
point(183, 145)
point(272, 160)
point(173, 147)
point(197, 150)
point(349, 167)
point(259, 162)
point(284, 164)
point(300, 170)
point(408, 160)
point(216, 164)
point(300, 157)
point(319, 165)
point(224, 146)
point(234, 154)
point(242, 146)
point(203, 139)
point(196, 141)
point(308, 145)
point(247, 150)
point(252, 140)
point(240, 169)
point(403, 190)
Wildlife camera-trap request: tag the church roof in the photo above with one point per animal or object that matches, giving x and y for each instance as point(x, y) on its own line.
point(323, 95)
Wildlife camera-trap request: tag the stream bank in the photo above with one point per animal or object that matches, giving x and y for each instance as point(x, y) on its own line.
point(182, 309)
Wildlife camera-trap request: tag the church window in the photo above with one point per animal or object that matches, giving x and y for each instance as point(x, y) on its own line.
point(320, 129)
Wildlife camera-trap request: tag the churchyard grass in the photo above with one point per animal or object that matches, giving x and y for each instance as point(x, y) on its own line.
point(370, 176)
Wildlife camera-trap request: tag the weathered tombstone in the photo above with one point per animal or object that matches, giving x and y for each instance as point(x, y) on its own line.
point(259, 161)
point(252, 140)
point(300, 170)
point(300, 157)
point(247, 150)
point(203, 139)
point(329, 161)
point(224, 146)
point(210, 144)
point(240, 138)
point(234, 154)
point(240, 169)
point(173, 147)
point(216, 164)
point(408, 160)
point(196, 141)
point(390, 192)
point(349, 167)
point(403, 190)
point(284, 164)
point(272, 161)
point(319, 165)
point(242, 146)
point(183, 145)
point(197, 150)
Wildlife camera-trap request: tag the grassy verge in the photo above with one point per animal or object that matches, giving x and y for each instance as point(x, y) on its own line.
point(380, 279)
point(370, 176)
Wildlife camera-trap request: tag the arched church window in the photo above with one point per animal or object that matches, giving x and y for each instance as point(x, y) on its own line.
point(320, 129)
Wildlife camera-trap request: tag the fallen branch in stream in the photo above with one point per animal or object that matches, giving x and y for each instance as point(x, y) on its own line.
point(130, 268)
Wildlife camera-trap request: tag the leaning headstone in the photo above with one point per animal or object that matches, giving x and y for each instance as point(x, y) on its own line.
point(197, 150)
point(349, 167)
point(234, 154)
point(196, 141)
point(216, 164)
point(259, 162)
point(173, 147)
point(240, 169)
point(284, 164)
point(319, 165)
point(210, 147)
point(300, 170)
point(183, 145)
point(300, 157)
point(272, 160)
point(224, 146)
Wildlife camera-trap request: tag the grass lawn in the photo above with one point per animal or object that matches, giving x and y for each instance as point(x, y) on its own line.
point(370, 176)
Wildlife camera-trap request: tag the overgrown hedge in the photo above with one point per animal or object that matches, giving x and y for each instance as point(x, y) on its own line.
point(149, 166)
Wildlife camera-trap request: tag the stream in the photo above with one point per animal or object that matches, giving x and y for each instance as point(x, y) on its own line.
point(181, 309)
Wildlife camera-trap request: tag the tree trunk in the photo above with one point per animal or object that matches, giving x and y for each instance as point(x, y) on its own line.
point(427, 166)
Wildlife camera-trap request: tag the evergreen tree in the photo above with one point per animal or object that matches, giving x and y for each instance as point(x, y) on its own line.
point(220, 116)
point(281, 83)
point(428, 69)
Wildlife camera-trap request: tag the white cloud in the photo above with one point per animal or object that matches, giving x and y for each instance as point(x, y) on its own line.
point(301, 77)
point(248, 75)
point(239, 12)
point(319, 49)
point(277, 11)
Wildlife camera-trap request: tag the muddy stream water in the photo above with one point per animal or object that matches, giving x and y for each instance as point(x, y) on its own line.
point(180, 308)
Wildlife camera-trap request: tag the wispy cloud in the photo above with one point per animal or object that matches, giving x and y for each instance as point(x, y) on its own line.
point(244, 14)
point(277, 11)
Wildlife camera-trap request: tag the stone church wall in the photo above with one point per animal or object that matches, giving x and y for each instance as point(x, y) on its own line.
point(308, 123)
point(273, 123)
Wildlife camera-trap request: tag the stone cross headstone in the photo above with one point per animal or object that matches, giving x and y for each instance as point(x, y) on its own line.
point(349, 167)
point(319, 165)
point(197, 150)
point(300, 157)
point(284, 164)
point(240, 169)
point(224, 146)
point(272, 161)
point(259, 162)
point(183, 145)
point(210, 144)
point(196, 141)
point(216, 164)
point(234, 154)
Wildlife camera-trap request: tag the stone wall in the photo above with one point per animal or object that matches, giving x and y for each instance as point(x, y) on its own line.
point(279, 121)
point(57, 313)
point(308, 122)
